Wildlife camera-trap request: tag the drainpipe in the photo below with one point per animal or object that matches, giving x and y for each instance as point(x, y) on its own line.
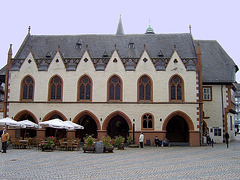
point(223, 113)
point(200, 110)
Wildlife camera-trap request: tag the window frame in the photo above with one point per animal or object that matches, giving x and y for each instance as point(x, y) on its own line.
point(108, 89)
point(142, 121)
point(176, 89)
point(210, 92)
point(79, 89)
point(145, 93)
point(22, 89)
point(50, 89)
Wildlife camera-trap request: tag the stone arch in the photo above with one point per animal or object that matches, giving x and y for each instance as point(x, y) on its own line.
point(52, 113)
point(110, 116)
point(23, 112)
point(181, 114)
point(86, 112)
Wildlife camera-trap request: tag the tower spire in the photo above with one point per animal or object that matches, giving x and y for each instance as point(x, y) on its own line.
point(120, 27)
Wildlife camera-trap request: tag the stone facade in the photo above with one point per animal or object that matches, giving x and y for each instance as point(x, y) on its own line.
point(179, 118)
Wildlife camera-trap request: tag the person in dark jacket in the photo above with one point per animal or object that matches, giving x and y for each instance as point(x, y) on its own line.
point(227, 137)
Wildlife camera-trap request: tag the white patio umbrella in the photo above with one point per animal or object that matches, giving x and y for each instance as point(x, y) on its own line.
point(74, 125)
point(54, 123)
point(10, 122)
point(29, 124)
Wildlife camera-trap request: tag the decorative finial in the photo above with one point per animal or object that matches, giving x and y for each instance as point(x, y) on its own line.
point(149, 21)
point(29, 29)
point(175, 47)
point(190, 29)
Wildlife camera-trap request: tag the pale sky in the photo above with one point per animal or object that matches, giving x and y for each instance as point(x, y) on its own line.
point(210, 20)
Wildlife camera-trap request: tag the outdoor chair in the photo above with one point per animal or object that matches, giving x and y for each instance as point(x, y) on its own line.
point(17, 143)
point(70, 144)
point(62, 145)
point(77, 144)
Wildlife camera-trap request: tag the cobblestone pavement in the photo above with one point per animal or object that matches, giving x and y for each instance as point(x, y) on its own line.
point(147, 163)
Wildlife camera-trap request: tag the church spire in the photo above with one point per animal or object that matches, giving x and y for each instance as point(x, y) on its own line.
point(120, 27)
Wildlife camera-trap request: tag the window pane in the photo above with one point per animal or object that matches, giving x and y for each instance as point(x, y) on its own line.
point(173, 92)
point(56, 80)
point(59, 92)
point(141, 93)
point(25, 91)
point(30, 93)
point(144, 123)
point(53, 92)
point(88, 91)
point(150, 124)
point(219, 132)
point(111, 95)
point(175, 80)
point(82, 88)
point(148, 92)
point(179, 92)
point(118, 92)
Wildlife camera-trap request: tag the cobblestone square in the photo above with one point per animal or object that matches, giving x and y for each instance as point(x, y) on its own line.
point(148, 163)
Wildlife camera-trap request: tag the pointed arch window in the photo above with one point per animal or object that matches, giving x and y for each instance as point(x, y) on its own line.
point(27, 89)
point(176, 89)
point(55, 89)
point(114, 89)
point(147, 121)
point(144, 89)
point(84, 89)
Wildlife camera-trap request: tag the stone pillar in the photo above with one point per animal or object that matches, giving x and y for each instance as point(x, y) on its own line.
point(71, 133)
point(101, 133)
point(40, 133)
point(194, 138)
point(11, 132)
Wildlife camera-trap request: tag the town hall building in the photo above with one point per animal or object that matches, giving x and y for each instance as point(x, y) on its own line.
point(166, 85)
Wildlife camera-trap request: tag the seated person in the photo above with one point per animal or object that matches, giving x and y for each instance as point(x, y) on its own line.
point(156, 141)
point(165, 142)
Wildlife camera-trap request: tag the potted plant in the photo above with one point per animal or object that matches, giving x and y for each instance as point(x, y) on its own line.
point(119, 141)
point(107, 145)
point(89, 144)
point(129, 140)
point(48, 144)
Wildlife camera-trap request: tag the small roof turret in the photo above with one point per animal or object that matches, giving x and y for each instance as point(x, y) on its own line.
point(149, 29)
point(120, 27)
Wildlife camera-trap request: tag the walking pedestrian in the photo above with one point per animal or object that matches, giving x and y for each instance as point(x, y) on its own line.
point(227, 137)
point(4, 139)
point(141, 139)
point(1, 132)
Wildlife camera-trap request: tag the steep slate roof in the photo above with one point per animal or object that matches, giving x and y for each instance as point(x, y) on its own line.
point(217, 66)
point(98, 44)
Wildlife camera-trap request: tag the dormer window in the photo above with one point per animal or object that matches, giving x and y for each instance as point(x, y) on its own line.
point(160, 54)
point(48, 55)
point(78, 44)
point(105, 54)
point(131, 45)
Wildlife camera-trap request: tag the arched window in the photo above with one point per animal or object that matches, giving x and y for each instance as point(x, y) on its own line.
point(55, 89)
point(176, 89)
point(114, 89)
point(144, 89)
point(84, 89)
point(27, 89)
point(147, 121)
